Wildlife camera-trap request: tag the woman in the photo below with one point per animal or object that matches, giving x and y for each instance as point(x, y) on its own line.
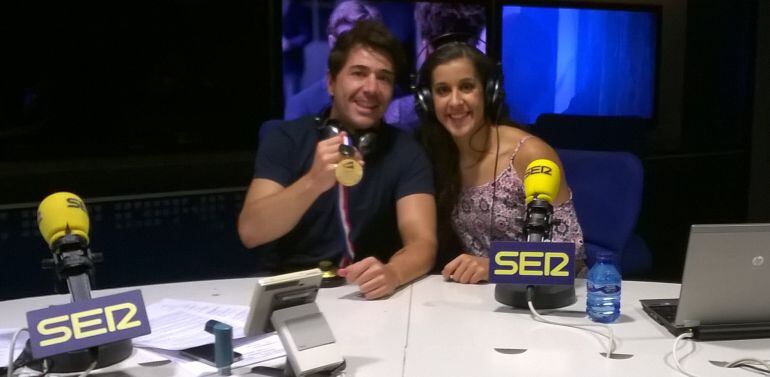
point(479, 163)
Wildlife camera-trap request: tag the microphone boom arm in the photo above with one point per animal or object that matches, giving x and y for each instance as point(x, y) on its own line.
point(537, 223)
point(73, 262)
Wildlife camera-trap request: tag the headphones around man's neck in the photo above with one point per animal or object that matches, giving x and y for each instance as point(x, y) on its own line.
point(366, 141)
point(494, 93)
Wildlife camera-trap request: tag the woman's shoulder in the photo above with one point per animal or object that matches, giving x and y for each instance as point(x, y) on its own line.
point(525, 147)
point(532, 148)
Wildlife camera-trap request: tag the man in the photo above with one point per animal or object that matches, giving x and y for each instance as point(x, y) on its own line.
point(314, 98)
point(386, 223)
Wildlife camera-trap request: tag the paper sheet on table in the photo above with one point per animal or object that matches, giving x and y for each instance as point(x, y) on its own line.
point(5, 345)
point(179, 324)
point(255, 350)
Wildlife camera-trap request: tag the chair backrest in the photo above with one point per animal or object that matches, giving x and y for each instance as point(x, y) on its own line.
point(268, 125)
point(316, 54)
point(603, 133)
point(607, 192)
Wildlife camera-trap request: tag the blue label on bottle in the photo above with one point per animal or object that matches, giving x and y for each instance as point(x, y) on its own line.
point(611, 289)
point(605, 289)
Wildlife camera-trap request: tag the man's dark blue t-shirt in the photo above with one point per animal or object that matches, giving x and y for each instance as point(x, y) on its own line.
point(397, 168)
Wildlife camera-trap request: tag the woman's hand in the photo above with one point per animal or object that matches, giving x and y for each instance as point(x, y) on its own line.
point(467, 269)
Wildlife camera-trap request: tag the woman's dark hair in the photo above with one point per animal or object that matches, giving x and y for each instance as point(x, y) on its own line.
point(438, 143)
point(369, 34)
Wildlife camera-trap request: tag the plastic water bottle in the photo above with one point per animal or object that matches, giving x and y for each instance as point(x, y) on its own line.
point(603, 287)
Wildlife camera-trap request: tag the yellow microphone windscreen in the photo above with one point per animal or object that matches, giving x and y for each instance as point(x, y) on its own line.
point(542, 180)
point(60, 214)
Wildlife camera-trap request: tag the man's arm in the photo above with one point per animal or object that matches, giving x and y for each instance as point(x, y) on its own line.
point(417, 225)
point(271, 210)
point(416, 215)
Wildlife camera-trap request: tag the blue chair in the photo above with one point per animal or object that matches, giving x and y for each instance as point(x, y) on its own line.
point(607, 191)
point(268, 125)
point(604, 133)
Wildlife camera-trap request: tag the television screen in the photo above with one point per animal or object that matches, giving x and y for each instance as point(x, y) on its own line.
point(579, 60)
point(310, 28)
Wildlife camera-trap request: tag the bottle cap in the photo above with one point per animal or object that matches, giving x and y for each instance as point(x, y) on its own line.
point(605, 256)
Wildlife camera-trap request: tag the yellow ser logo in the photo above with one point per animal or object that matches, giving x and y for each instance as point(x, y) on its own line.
point(531, 263)
point(87, 323)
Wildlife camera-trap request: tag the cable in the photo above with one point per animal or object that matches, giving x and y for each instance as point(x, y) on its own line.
point(10, 351)
point(494, 185)
point(88, 371)
point(676, 358)
point(610, 337)
point(46, 367)
point(46, 362)
point(743, 362)
point(748, 362)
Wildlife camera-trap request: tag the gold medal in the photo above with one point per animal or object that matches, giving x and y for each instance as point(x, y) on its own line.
point(348, 172)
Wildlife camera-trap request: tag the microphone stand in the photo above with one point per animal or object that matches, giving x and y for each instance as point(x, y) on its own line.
point(73, 263)
point(537, 228)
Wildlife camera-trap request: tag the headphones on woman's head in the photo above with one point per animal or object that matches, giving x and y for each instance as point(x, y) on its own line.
point(494, 93)
point(366, 142)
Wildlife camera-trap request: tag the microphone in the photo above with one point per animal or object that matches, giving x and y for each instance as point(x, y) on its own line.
point(86, 333)
point(542, 180)
point(62, 218)
point(536, 270)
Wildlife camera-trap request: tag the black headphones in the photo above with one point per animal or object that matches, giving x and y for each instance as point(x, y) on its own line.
point(365, 142)
point(494, 93)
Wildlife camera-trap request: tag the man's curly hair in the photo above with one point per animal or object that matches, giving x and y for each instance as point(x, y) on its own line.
point(437, 19)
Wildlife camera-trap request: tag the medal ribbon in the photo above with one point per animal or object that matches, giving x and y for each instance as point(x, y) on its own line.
point(350, 253)
point(347, 142)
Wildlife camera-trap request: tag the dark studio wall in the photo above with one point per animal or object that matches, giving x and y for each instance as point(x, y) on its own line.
point(706, 180)
point(130, 97)
point(759, 186)
point(147, 109)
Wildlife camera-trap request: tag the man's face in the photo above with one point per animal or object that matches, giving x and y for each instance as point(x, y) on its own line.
point(362, 89)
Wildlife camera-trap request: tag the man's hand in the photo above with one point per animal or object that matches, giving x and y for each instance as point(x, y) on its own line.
point(467, 269)
point(374, 279)
point(327, 156)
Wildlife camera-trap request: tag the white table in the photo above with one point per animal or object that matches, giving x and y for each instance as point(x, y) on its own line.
point(454, 329)
point(371, 334)
point(438, 328)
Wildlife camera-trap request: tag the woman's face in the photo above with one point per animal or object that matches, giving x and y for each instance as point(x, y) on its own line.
point(458, 97)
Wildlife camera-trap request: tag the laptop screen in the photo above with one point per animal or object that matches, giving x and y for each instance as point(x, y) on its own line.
point(726, 275)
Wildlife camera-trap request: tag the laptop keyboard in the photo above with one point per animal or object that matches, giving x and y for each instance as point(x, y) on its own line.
point(666, 311)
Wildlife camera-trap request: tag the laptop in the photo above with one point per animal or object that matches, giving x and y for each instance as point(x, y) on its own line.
point(725, 290)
